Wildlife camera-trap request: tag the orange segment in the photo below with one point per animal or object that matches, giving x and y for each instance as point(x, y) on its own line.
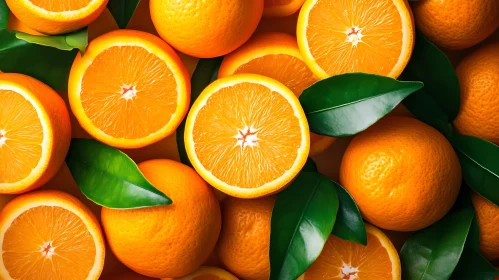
point(337, 37)
point(275, 55)
point(49, 235)
point(244, 125)
point(60, 6)
point(209, 273)
point(342, 259)
point(281, 8)
point(129, 90)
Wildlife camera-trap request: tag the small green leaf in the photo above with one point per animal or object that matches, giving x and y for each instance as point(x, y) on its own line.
point(472, 266)
point(302, 220)
point(433, 253)
point(122, 10)
point(110, 178)
point(67, 42)
point(347, 104)
point(480, 166)
point(4, 14)
point(349, 224)
point(431, 66)
point(309, 166)
point(205, 73)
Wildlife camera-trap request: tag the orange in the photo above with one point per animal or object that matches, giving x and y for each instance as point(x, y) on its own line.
point(35, 133)
point(456, 24)
point(50, 235)
point(56, 17)
point(128, 276)
point(166, 241)
point(246, 125)
point(15, 24)
point(337, 37)
point(403, 174)
point(209, 273)
point(129, 90)
point(206, 28)
point(478, 77)
point(487, 214)
point(275, 55)
point(342, 259)
point(244, 241)
point(281, 8)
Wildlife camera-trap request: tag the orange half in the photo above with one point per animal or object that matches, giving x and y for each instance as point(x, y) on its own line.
point(342, 259)
point(337, 37)
point(129, 90)
point(247, 135)
point(50, 235)
point(281, 8)
point(209, 273)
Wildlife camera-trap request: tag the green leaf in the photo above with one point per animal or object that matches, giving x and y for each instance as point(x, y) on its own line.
point(302, 220)
point(431, 66)
point(47, 64)
point(433, 253)
point(122, 10)
point(309, 166)
point(110, 178)
point(346, 104)
point(480, 166)
point(67, 42)
point(473, 240)
point(473, 266)
point(4, 14)
point(205, 73)
point(349, 224)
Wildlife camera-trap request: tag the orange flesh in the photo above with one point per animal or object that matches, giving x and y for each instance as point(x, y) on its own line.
point(26, 245)
point(381, 46)
point(61, 6)
point(22, 132)
point(372, 261)
point(114, 75)
point(251, 105)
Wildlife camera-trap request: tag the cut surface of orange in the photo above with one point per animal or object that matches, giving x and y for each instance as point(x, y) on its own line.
point(209, 273)
point(337, 37)
point(281, 8)
point(35, 132)
point(50, 235)
point(247, 135)
point(342, 259)
point(129, 90)
point(275, 55)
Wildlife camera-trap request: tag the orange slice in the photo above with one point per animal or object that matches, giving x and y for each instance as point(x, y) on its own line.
point(281, 8)
point(247, 135)
point(275, 55)
point(56, 17)
point(342, 259)
point(35, 132)
point(337, 37)
point(209, 273)
point(50, 235)
point(129, 90)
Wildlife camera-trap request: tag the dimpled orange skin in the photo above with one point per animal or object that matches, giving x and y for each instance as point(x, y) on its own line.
point(487, 215)
point(244, 241)
point(456, 24)
point(166, 241)
point(403, 174)
point(479, 79)
point(206, 28)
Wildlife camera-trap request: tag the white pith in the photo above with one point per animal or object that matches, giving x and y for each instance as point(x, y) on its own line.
point(3, 138)
point(348, 272)
point(128, 92)
point(247, 137)
point(354, 35)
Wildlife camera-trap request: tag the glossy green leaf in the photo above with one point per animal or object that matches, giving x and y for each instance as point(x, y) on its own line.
point(349, 224)
point(480, 165)
point(431, 66)
point(122, 10)
point(67, 42)
point(473, 266)
point(47, 64)
point(310, 166)
point(206, 71)
point(4, 14)
point(108, 177)
point(473, 240)
point(346, 104)
point(302, 220)
point(433, 253)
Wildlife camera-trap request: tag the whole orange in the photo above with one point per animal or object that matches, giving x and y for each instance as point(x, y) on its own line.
point(166, 241)
point(487, 214)
point(403, 174)
point(478, 77)
point(244, 241)
point(456, 24)
point(206, 28)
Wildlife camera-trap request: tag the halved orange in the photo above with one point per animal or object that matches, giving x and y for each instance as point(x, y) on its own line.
point(57, 17)
point(209, 273)
point(129, 90)
point(275, 55)
point(342, 259)
point(247, 135)
point(281, 8)
point(337, 37)
point(35, 132)
point(50, 235)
